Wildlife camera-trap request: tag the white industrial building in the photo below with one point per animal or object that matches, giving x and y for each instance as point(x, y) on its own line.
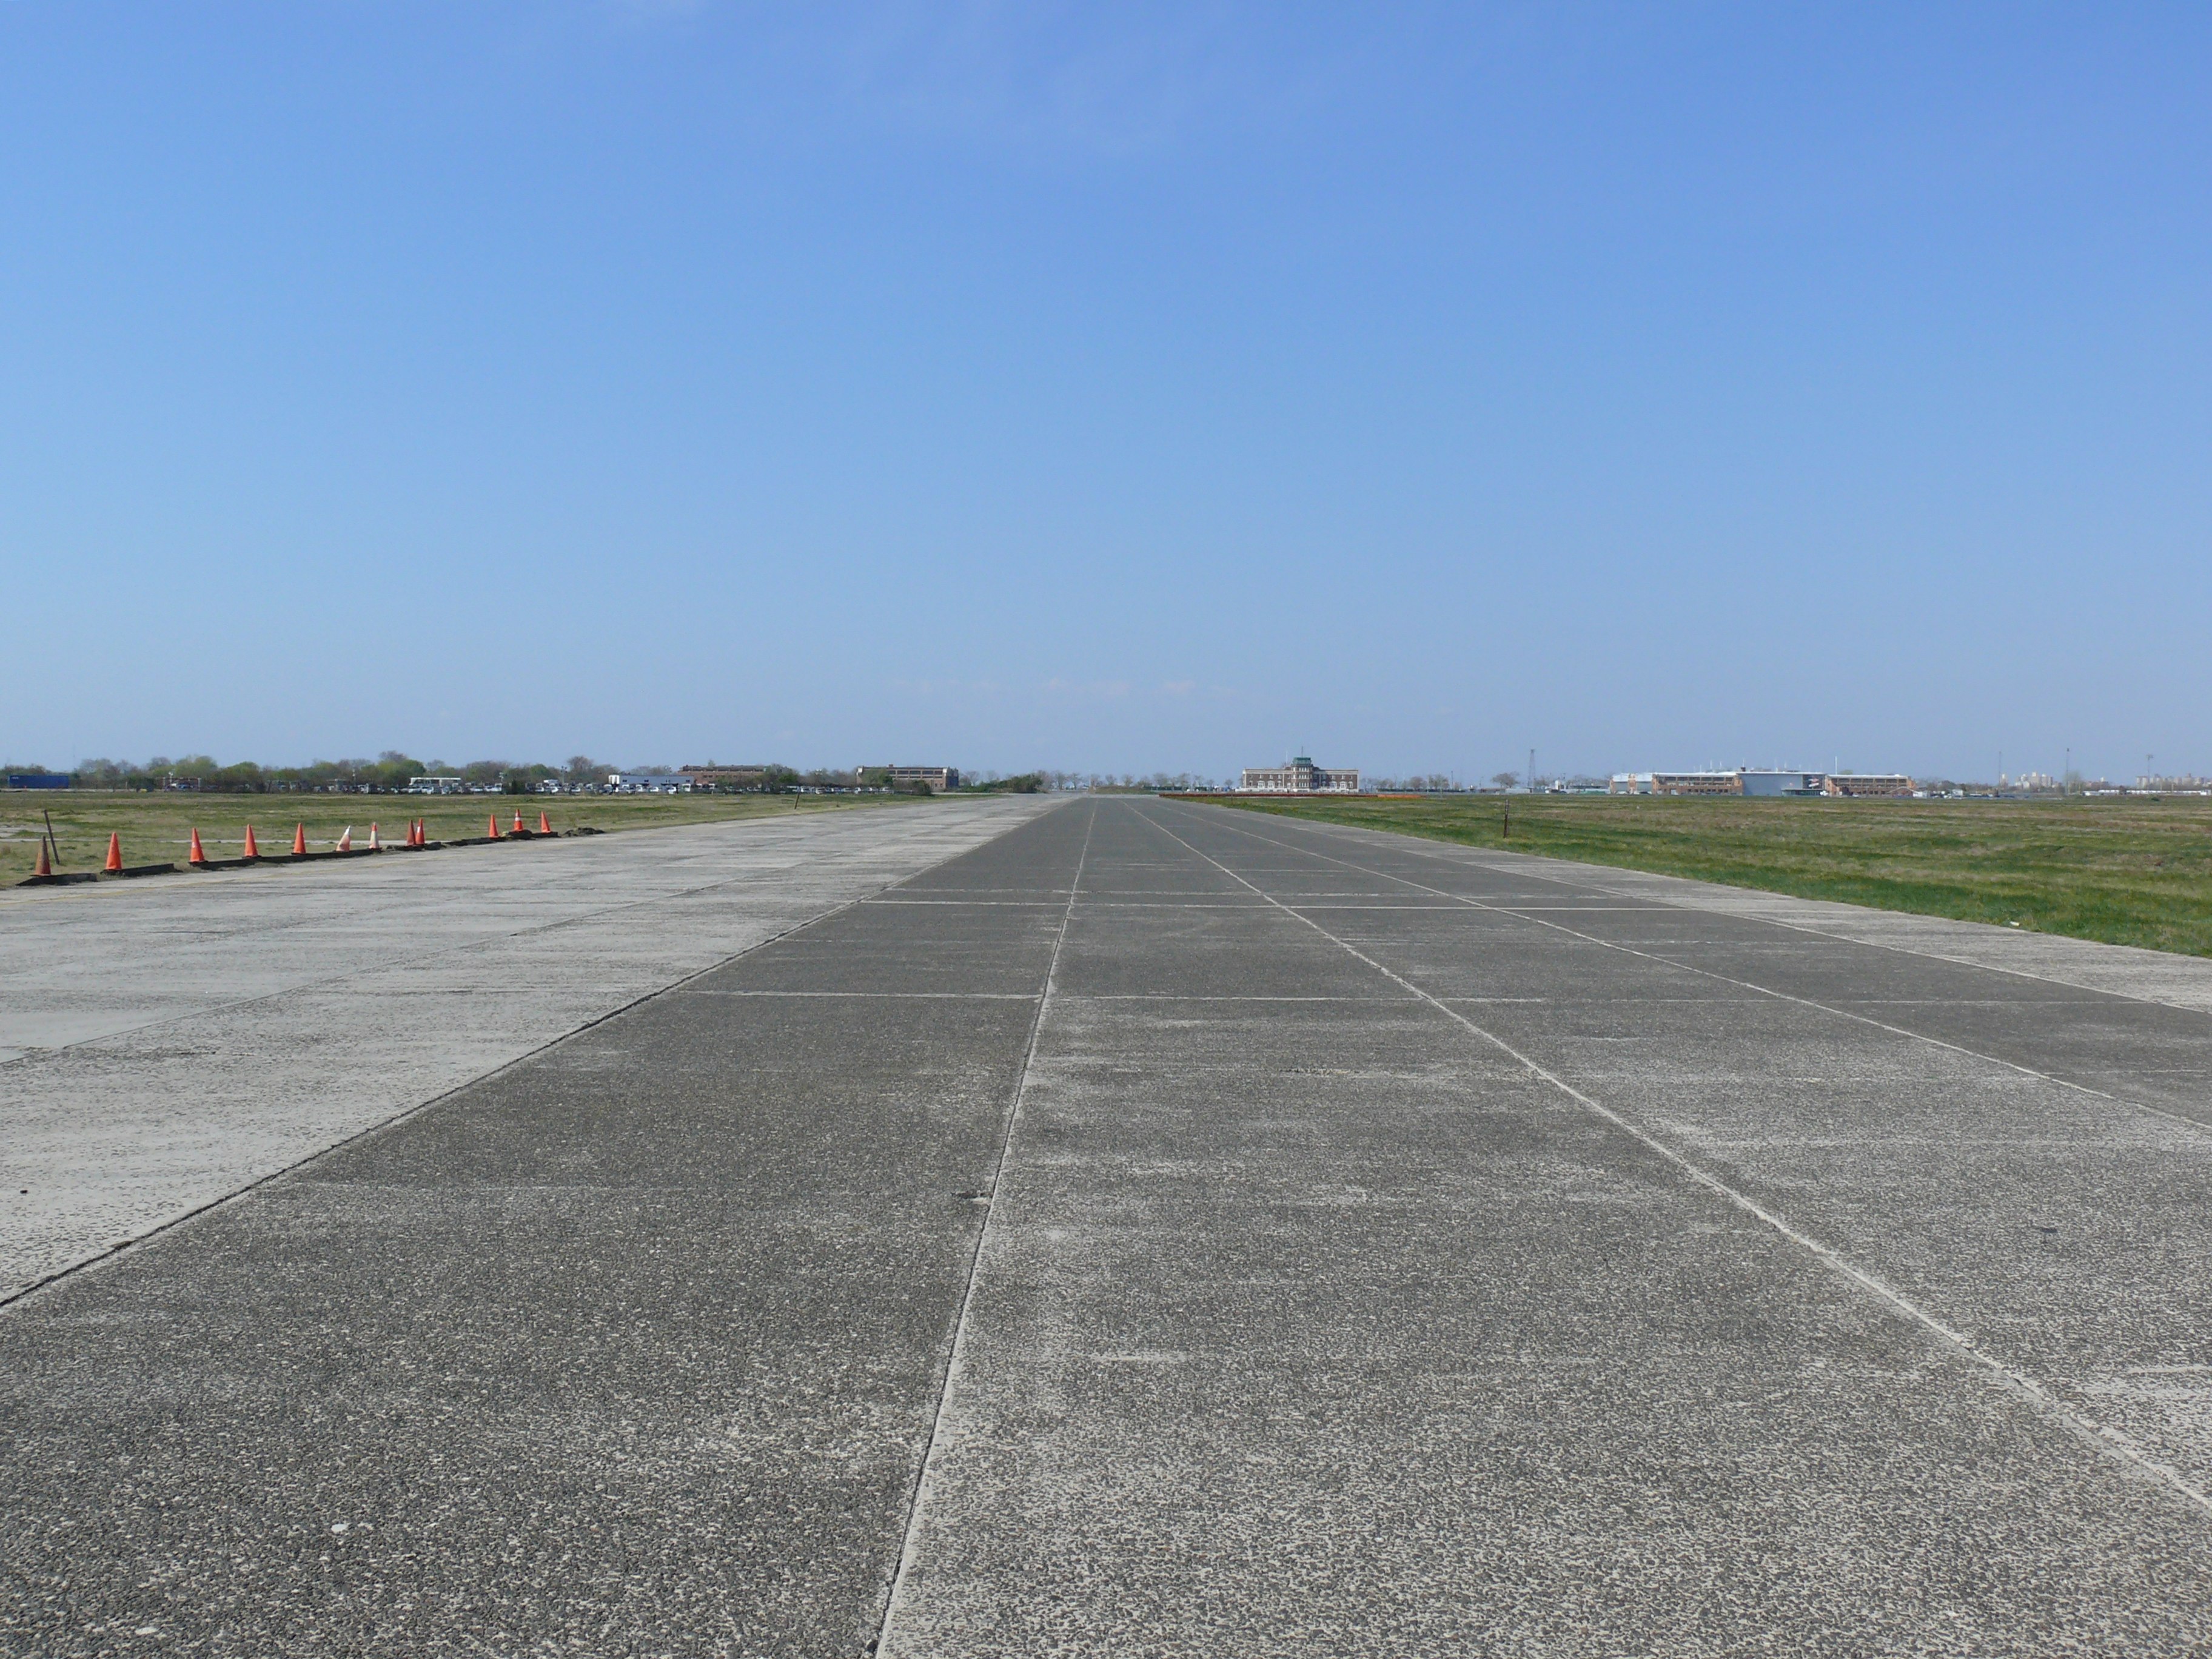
point(1761, 780)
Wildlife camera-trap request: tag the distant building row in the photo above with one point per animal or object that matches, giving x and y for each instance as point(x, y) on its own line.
point(938, 778)
point(684, 779)
point(1745, 780)
point(1300, 776)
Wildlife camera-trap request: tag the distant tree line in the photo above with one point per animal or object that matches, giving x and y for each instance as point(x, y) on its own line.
point(1420, 783)
point(393, 770)
point(390, 771)
point(1133, 783)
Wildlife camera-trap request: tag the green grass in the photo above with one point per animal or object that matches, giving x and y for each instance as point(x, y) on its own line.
point(2126, 871)
point(157, 828)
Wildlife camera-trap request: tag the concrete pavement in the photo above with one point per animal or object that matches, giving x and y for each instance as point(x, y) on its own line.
point(1161, 1229)
point(163, 1044)
point(1421, 1254)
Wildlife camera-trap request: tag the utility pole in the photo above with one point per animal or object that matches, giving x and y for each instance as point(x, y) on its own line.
point(1532, 771)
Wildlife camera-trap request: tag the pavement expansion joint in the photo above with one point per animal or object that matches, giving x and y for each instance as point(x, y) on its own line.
point(917, 1507)
point(92, 1258)
point(966, 904)
point(477, 942)
point(1223, 996)
point(1460, 901)
point(1336, 1306)
point(2028, 1390)
point(885, 996)
point(1595, 880)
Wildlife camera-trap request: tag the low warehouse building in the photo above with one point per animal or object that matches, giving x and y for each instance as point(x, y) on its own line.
point(1761, 780)
point(1766, 782)
point(1869, 783)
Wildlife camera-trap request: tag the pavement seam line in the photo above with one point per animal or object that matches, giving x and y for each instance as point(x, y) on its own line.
point(100, 1259)
point(1462, 900)
point(414, 961)
point(1482, 857)
point(1881, 944)
point(887, 996)
point(13, 896)
point(2109, 1441)
point(910, 1540)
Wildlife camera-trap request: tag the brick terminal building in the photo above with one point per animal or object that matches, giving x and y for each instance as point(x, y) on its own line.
point(1300, 776)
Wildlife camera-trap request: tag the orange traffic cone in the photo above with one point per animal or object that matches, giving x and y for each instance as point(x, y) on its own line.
point(544, 824)
point(421, 832)
point(491, 826)
point(518, 820)
point(374, 845)
point(196, 856)
point(300, 842)
point(251, 851)
point(345, 838)
point(45, 866)
point(115, 851)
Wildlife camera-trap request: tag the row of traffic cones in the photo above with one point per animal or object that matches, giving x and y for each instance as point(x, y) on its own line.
point(491, 825)
point(417, 835)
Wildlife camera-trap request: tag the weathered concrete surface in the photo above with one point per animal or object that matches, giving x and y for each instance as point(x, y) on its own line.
point(631, 1348)
point(2119, 969)
point(1311, 1319)
point(164, 1043)
point(1392, 1253)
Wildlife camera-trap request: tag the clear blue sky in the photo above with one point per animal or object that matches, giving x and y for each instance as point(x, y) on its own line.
point(1117, 387)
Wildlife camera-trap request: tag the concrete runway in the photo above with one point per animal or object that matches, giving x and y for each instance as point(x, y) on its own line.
point(1161, 1229)
point(164, 1043)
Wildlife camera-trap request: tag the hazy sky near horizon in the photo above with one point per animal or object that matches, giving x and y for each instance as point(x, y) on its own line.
point(1123, 387)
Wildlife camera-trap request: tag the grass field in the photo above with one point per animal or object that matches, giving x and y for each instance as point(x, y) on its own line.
point(2127, 871)
point(157, 828)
